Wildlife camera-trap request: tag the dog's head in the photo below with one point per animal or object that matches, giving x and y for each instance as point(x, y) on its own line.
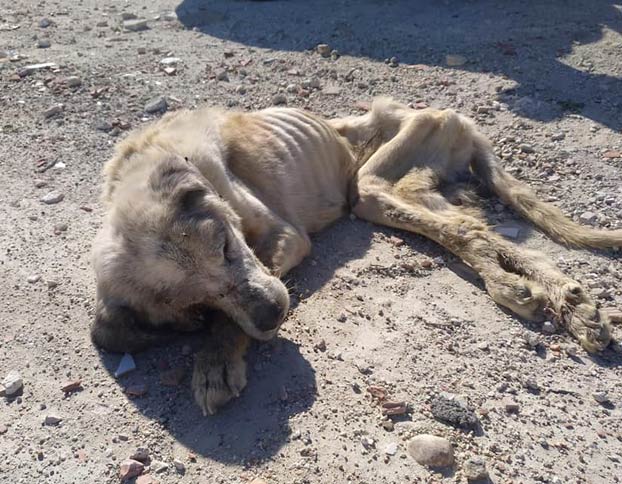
point(171, 244)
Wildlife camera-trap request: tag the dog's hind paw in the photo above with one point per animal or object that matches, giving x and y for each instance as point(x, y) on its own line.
point(216, 380)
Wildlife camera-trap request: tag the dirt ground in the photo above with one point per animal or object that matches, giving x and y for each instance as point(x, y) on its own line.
point(372, 307)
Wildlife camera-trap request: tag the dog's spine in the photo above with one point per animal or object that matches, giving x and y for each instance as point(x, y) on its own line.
point(543, 215)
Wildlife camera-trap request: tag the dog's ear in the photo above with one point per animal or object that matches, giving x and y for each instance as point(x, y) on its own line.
point(117, 328)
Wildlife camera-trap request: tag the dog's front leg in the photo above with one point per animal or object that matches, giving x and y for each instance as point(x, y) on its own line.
point(219, 368)
point(282, 249)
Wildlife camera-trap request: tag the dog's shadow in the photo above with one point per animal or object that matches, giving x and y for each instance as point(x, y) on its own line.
point(253, 427)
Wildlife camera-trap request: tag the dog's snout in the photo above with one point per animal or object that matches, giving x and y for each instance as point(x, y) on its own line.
point(268, 317)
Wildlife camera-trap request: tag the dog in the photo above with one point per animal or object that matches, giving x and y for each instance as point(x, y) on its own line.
point(207, 209)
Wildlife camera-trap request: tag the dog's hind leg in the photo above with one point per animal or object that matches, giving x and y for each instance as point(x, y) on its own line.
point(522, 281)
point(219, 368)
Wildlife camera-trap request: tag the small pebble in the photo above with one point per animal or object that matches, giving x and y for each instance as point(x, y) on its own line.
point(52, 198)
point(52, 420)
point(179, 466)
point(558, 136)
point(53, 111)
point(172, 377)
point(391, 449)
point(103, 125)
point(588, 218)
point(388, 425)
point(511, 406)
point(324, 50)
point(157, 104)
point(71, 386)
point(601, 397)
point(159, 466)
point(279, 99)
point(126, 365)
point(548, 327)
point(73, 81)
point(474, 469)
point(141, 455)
point(138, 390)
point(135, 25)
point(147, 479)
point(12, 383)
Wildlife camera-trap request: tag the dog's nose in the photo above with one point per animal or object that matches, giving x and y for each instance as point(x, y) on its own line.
point(269, 316)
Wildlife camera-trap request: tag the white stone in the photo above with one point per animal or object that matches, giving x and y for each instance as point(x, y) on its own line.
point(391, 449)
point(135, 25)
point(12, 383)
point(548, 327)
point(126, 365)
point(170, 61)
point(52, 198)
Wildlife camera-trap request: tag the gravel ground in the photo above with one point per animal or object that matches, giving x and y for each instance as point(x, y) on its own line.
point(378, 316)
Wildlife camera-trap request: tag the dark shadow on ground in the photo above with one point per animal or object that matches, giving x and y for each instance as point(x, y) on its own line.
point(281, 384)
point(524, 41)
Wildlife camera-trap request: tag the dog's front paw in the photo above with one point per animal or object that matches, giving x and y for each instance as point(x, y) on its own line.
point(216, 380)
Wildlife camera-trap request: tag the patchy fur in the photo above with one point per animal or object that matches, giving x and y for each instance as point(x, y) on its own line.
point(207, 208)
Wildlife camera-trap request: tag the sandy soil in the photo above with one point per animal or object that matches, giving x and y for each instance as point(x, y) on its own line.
point(373, 307)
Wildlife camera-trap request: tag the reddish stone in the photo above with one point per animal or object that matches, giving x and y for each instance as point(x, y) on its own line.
point(71, 386)
point(136, 390)
point(147, 479)
point(173, 377)
point(130, 468)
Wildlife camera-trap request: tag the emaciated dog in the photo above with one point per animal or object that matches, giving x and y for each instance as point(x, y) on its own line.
point(209, 208)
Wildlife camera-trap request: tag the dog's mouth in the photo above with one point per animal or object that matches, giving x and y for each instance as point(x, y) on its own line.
point(205, 314)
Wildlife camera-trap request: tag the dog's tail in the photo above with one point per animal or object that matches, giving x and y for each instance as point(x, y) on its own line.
point(543, 215)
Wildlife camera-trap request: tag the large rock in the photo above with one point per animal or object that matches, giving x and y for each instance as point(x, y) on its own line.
point(452, 409)
point(432, 451)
